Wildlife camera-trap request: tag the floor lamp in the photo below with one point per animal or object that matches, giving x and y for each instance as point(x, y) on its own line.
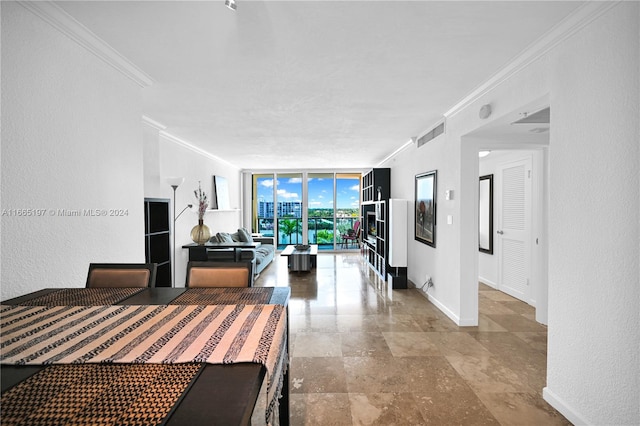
point(175, 182)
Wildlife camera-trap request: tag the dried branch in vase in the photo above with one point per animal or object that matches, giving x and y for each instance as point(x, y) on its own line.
point(203, 203)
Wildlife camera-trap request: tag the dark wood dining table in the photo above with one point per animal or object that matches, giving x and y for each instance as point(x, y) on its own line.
point(222, 394)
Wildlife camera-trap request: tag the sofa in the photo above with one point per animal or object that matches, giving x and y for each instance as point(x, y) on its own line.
point(261, 256)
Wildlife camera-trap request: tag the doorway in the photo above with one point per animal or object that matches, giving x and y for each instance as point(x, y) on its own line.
point(508, 266)
point(519, 264)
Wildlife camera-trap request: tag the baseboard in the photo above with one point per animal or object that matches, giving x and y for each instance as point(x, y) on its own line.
point(453, 317)
point(444, 309)
point(556, 402)
point(488, 282)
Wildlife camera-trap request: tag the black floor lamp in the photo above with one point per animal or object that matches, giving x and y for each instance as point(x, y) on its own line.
point(175, 182)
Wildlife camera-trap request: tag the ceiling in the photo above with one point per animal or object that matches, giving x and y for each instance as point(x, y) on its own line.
point(312, 84)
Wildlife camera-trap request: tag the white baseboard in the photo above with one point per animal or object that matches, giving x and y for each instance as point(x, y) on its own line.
point(445, 310)
point(459, 322)
point(556, 402)
point(488, 282)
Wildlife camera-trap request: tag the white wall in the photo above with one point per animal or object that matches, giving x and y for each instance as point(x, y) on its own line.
point(594, 339)
point(591, 79)
point(71, 139)
point(166, 156)
point(424, 260)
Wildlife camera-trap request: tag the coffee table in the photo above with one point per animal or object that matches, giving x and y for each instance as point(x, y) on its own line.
point(301, 260)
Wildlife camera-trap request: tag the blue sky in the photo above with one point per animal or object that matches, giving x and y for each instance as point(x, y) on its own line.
point(320, 191)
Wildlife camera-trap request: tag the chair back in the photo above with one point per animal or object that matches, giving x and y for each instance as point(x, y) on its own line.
point(138, 275)
point(218, 274)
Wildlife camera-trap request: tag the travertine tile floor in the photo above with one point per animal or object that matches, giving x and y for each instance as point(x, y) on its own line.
point(362, 354)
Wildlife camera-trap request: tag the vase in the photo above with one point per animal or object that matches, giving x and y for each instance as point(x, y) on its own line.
point(200, 233)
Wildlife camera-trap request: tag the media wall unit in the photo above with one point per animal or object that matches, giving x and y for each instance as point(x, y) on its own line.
point(376, 244)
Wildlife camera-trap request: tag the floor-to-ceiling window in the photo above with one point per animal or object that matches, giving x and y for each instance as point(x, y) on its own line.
point(313, 208)
point(289, 209)
point(263, 204)
point(347, 208)
point(320, 211)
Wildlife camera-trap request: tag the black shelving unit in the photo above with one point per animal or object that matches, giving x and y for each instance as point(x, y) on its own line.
point(158, 238)
point(376, 190)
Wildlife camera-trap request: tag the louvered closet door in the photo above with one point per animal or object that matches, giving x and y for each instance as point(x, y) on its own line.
point(514, 230)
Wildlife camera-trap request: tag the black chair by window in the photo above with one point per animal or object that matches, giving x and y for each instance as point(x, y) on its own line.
point(138, 275)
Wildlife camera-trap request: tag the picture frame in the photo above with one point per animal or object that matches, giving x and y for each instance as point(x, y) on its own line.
point(485, 214)
point(220, 193)
point(425, 207)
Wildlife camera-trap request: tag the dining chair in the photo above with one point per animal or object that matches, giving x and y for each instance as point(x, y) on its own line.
point(219, 274)
point(139, 275)
point(354, 236)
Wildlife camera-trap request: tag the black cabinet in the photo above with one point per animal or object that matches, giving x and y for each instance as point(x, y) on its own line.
point(376, 192)
point(157, 232)
point(376, 189)
point(376, 185)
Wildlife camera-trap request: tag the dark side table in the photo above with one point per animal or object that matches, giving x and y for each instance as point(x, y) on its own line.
point(198, 252)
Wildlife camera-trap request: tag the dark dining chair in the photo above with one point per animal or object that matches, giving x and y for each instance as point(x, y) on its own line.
point(119, 275)
point(351, 236)
point(219, 274)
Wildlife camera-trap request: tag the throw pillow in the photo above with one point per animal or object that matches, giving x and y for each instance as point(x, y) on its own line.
point(245, 235)
point(224, 237)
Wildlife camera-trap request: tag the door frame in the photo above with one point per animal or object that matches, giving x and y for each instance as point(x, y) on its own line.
point(470, 147)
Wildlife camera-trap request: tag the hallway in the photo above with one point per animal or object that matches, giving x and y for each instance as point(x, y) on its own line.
point(366, 355)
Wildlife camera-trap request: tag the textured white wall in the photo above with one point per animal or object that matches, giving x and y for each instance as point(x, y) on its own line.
point(176, 160)
point(592, 82)
point(71, 139)
point(594, 339)
point(438, 262)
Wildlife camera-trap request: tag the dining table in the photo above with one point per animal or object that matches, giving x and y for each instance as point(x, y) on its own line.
point(151, 356)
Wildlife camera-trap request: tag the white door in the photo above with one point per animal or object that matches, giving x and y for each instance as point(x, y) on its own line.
point(514, 230)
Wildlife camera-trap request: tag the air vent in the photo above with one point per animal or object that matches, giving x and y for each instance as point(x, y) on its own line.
point(432, 134)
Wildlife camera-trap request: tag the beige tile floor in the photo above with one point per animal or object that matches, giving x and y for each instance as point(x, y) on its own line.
point(362, 354)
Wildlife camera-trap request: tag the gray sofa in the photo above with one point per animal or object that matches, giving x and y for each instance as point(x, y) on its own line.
point(261, 256)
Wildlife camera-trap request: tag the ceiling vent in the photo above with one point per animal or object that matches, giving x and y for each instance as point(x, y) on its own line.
point(430, 135)
point(541, 117)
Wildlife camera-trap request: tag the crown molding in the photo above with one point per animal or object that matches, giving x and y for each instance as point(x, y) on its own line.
point(404, 146)
point(69, 26)
point(573, 23)
point(153, 123)
point(191, 147)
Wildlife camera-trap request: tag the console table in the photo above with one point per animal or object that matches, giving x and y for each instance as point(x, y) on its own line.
point(199, 251)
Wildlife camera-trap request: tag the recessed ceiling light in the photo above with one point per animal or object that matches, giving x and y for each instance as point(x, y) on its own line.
point(231, 4)
point(482, 154)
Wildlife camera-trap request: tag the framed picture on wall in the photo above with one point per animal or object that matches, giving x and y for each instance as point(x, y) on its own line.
point(425, 208)
point(220, 193)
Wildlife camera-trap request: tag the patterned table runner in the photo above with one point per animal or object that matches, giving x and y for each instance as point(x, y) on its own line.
point(224, 296)
point(98, 394)
point(216, 334)
point(83, 296)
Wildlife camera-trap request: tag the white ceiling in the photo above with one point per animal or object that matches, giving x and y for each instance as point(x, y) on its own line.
point(312, 84)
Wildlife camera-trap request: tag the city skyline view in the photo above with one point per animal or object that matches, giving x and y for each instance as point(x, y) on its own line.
point(320, 191)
